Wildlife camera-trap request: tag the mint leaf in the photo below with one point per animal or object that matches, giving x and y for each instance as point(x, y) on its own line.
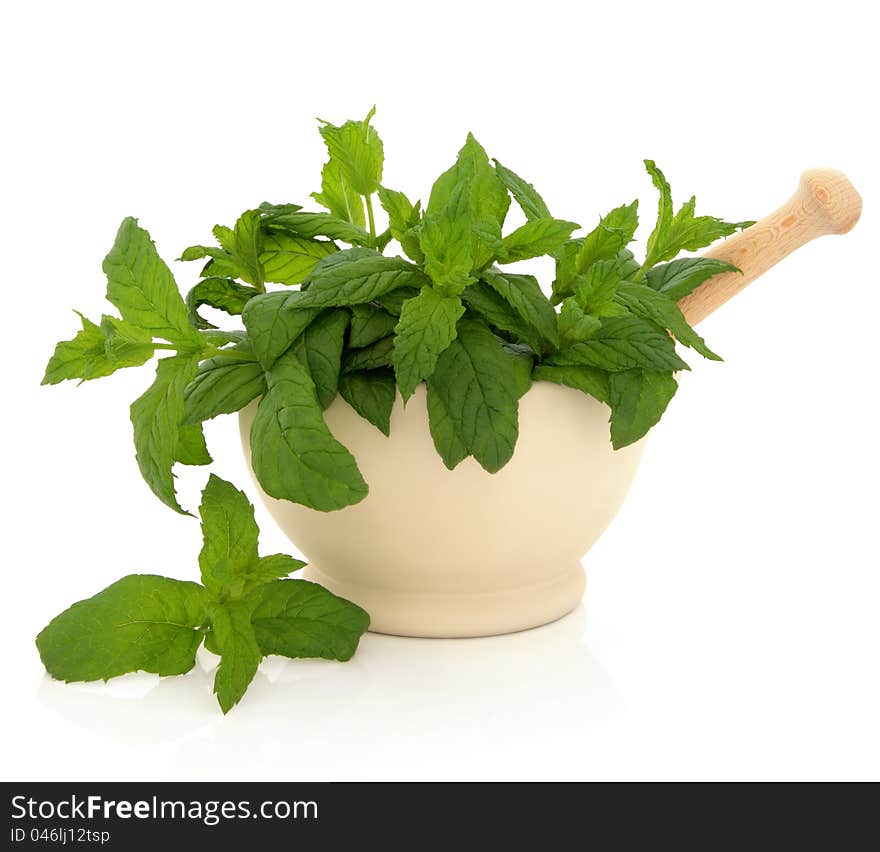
point(246, 246)
point(222, 293)
point(296, 618)
point(487, 198)
point(339, 196)
point(681, 277)
point(621, 344)
point(371, 394)
point(287, 259)
point(307, 224)
point(588, 380)
point(525, 194)
point(498, 313)
point(229, 532)
point(596, 288)
point(427, 326)
point(683, 231)
point(191, 447)
point(274, 321)
point(446, 241)
point(221, 386)
point(86, 356)
point(661, 309)
point(536, 237)
point(369, 323)
point(403, 221)
point(240, 654)
point(613, 233)
point(125, 343)
point(319, 348)
point(638, 400)
point(357, 148)
point(372, 357)
point(574, 324)
point(523, 360)
point(294, 455)
point(360, 280)
point(524, 295)
point(444, 430)
point(477, 393)
point(156, 416)
point(273, 567)
point(139, 623)
point(141, 286)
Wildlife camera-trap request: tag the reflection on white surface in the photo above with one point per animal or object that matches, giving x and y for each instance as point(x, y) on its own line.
point(499, 696)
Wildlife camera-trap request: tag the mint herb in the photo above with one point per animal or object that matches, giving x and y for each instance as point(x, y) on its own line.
point(242, 610)
point(328, 313)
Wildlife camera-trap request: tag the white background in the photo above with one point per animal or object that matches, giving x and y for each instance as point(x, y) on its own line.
point(730, 627)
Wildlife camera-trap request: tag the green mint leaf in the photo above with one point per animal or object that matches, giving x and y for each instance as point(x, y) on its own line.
point(156, 417)
point(487, 304)
point(310, 225)
point(124, 343)
point(525, 194)
point(294, 455)
point(221, 386)
point(221, 293)
point(477, 393)
point(191, 448)
point(287, 259)
point(357, 148)
point(86, 356)
point(393, 302)
point(613, 233)
point(427, 326)
point(319, 348)
point(574, 324)
point(360, 280)
point(139, 623)
point(444, 430)
point(588, 380)
point(621, 344)
point(246, 246)
point(683, 231)
point(369, 323)
point(141, 286)
point(339, 196)
point(229, 532)
point(240, 655)
point(296, 618)
point(523, 293)
point(661, 309)
point(595, 290)
point(371, 394)
point(681, 277)
point(488, 200)
point(268, 568)
point(372, 357)
point(403, 221)
point(274, 321)
point(537, 237)
point(638, 400)
point(523, 360)
point(446, 240)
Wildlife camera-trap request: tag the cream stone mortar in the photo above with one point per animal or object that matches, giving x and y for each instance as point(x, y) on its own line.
point(434, 552)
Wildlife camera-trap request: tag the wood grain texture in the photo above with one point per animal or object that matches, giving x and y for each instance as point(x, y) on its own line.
point(825, 203)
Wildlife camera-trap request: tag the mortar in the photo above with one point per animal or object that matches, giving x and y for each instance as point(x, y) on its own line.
point(440, 553)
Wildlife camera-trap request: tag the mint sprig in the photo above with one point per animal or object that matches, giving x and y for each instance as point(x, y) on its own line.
point(328, 313)
point(243, 610)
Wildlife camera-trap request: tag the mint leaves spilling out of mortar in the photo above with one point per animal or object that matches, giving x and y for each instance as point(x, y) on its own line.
point(243, 610)
point(346, 318)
